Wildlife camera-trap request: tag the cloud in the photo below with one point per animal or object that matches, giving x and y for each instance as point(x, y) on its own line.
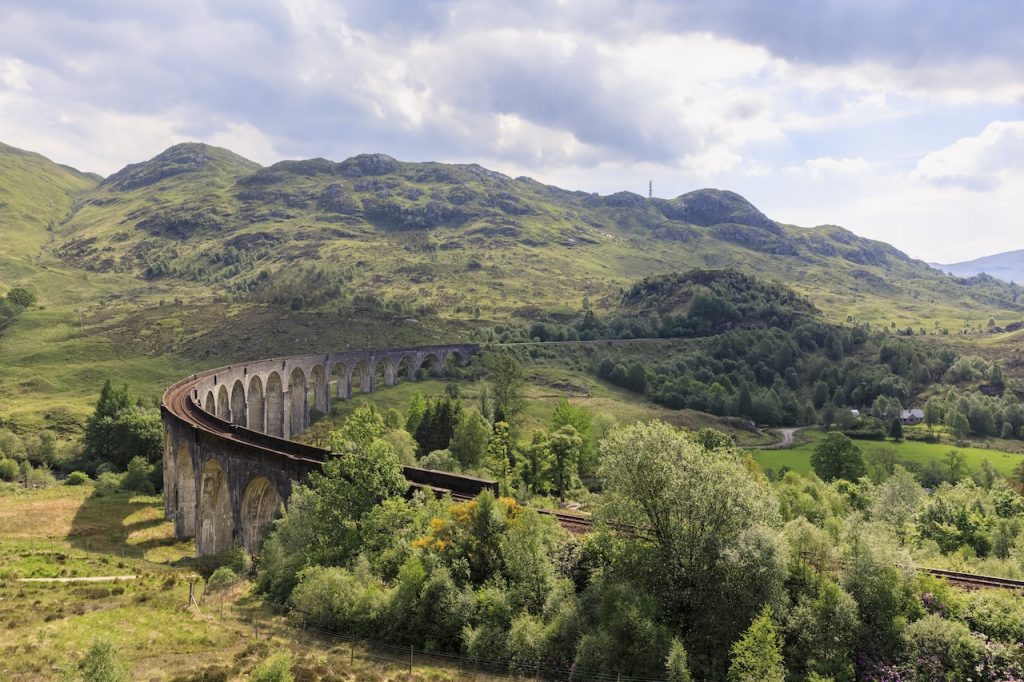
point(827, 165)
point(981, 163)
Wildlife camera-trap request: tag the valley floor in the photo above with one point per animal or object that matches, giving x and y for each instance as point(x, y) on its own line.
point(68, 532)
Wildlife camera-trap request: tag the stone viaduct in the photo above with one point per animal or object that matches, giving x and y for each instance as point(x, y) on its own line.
point(229, 463)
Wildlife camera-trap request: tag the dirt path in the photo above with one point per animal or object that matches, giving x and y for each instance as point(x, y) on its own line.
point(89, 579)
point(787, 438)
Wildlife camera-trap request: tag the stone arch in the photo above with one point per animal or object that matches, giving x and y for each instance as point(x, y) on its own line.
point(343, 384)
point(238, 403)
point(362, 375)
point(223, 403)
point(184, 503)
point(256, 410)
point(432, 364)
point(319, 393)
point(384, 372)
point(260, 506)
point(275, 405)
point(210, 404)
point(216, 528)
point(406, 368)
point(298, 407)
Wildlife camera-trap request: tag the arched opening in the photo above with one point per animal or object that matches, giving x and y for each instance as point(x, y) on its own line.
point(362, 376)
point(453, 364)
point(275, 406)
point(318, 397)
point(215, 525)
point(223, 404)
point(431, 365)
point(260, 506)
point(297, 391)
point(184, 493)
point(404, 369)
point(384, 372)
point(255, 411)
point(210, 404)
point(238, 403)
point(342, 387)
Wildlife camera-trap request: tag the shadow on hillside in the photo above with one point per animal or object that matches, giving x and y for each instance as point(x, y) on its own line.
point(106, 524)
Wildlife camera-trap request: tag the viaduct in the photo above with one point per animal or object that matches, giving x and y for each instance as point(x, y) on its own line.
point(229, 463)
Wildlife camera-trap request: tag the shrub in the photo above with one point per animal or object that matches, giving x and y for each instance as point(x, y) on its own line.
point(8, 470)
point(221, 578)
point(277, 668)
point(108, 483)
point(101, 664)
point(943, 649)
point(77, 478)
point(138, 477)
point(39, 477)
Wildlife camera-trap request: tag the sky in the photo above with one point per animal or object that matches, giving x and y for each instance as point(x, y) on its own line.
point(902, 120)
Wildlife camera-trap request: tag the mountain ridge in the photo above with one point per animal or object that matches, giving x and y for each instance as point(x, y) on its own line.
point(461, 237)
point(1007, 266)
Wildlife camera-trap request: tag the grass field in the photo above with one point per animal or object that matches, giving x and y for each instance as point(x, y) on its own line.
point(799, 458)
point(66, 532)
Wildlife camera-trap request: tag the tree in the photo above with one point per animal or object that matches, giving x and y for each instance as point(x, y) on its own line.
point(823, 631)
point(417, 406)
point(535, 464)
point(437, 426)
point(896, 429)
point(820, 394)
point(958, 424)
point(117, 430)
point(578, 417)
point(565, 446)
point(836, 456)
point(506, 386)
point(702, 521)
point(469, 442)
point(757, 656)
point(954, 460)
point(21, 297)
point(933, 410)
point(499, 455)
point(677, 665)
point(897, 500)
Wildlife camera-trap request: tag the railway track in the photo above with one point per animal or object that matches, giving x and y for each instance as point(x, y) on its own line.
point(178, 400)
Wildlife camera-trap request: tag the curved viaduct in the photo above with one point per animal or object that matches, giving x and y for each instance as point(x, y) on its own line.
point(229, 465)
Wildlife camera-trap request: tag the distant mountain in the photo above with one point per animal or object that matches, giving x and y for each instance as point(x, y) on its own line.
point(456, 240)
point(1008, 266)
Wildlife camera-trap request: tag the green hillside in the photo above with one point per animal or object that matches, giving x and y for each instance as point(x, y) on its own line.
point(199, 257)
point(456, 238)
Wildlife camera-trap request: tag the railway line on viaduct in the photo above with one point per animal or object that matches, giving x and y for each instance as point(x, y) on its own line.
point(230, 464)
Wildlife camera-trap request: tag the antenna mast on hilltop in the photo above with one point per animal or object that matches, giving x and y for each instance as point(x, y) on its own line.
point(650, 189)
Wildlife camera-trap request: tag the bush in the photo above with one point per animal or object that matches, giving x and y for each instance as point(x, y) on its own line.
point(108, 483)
point(277, 668)
point(8, 470)
point(39, 477)
point(942, 649)
point(77, 478)
point(139, 476)
point(221, 578)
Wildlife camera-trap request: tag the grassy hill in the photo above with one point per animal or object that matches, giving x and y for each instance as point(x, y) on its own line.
point(455, 238)
point(199, 257)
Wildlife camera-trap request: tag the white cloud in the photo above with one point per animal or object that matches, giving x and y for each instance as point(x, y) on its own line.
point(245, 139)
point(827, 165)
point(12, 74)
point(983, 162)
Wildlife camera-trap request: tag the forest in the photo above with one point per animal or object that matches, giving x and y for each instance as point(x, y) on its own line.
point(698, 566)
